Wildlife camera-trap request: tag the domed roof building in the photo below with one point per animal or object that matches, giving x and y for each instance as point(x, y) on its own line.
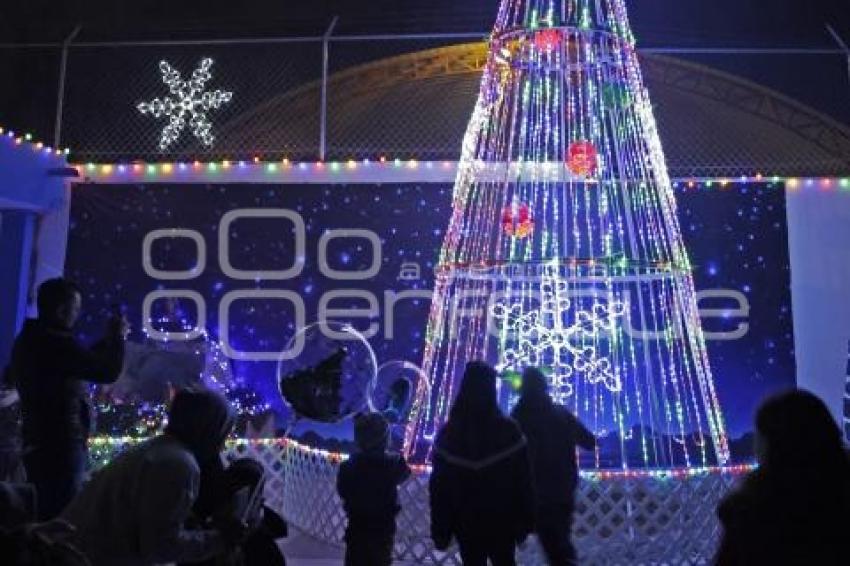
point(417, 105)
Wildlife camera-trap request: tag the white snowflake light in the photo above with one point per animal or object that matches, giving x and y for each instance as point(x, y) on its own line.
point(190, 103)
point(541, 338)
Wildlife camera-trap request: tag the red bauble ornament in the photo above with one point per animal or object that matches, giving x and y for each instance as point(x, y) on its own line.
point(582, 158)
point(547, 40)
point(517, 222)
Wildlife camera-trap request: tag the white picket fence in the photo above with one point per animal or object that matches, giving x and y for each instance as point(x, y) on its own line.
point(619, 520)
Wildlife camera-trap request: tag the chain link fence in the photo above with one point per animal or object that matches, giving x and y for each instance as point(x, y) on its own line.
point(410, 97)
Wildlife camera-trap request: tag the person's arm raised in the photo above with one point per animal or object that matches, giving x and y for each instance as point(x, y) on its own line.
point(104, 361)
point(584, 438)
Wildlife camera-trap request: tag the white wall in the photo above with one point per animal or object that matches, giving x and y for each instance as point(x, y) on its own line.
point(819, 241)
point(35, 248)
point(25, 182)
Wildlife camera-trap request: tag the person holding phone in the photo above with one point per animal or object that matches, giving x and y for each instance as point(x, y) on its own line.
point(51, 370)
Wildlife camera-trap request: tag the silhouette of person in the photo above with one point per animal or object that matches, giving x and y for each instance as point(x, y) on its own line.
point(481, 491)
point(50, 370)
point(793, 509)
point(553, 434)
point(134, 511)
point(368, 486)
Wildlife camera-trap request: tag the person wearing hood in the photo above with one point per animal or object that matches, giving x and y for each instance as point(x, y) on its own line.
point(50, 369)
point(553, 434)
point(133, 512)
point(481, 490)
point(793, 509)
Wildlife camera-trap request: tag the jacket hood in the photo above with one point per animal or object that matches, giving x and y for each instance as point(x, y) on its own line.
point(477, 462)
point(201, 420)
point(534, 395)
point(477, 434)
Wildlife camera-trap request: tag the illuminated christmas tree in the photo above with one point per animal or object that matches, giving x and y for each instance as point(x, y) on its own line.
point(564, 249)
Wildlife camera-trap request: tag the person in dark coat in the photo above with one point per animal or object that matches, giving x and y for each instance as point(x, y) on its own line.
point(135, 510)
point(368, 484)
point(793, 509)
point(50, 370)
point(553, 434)
point(481, 490)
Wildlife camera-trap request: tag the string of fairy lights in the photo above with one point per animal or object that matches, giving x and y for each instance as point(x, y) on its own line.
point(104, 448)
point(563, 213)
point(119, 414)
point(282, 169)
point(27, 140)
point(286, 170)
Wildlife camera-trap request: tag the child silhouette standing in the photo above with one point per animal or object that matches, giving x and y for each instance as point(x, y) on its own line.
point(368, 486)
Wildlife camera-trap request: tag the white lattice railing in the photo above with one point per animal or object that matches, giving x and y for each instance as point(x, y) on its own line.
point(634, 518)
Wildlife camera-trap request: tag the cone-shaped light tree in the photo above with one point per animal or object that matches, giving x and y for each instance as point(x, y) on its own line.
point(564, 249)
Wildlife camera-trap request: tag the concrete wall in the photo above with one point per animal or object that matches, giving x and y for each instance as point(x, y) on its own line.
point(819, 240)
point(34, 206)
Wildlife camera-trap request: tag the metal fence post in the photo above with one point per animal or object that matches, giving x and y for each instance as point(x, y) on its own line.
point(842, 45)
point(323, 117)
point(60, 97)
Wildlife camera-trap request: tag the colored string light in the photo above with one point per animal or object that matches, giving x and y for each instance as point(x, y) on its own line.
point(27, 141)
point(103, 448)
point(296, 170)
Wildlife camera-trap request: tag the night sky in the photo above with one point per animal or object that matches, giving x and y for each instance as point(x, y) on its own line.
point(701, 22)
point(736, 236)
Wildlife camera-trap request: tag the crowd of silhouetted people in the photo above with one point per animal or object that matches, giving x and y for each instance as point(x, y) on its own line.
point(495, 479)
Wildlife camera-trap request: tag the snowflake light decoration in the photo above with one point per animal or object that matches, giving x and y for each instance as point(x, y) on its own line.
point(190, 103)
point(541, 338)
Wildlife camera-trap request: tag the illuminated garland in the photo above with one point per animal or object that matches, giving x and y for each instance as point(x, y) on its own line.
point(139, 420)
point(217, 372)
point(103, 449)
point(26, 140)
point(284, 169)
point(600, 292)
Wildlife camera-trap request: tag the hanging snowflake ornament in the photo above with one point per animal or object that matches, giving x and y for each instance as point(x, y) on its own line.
point(190, 102)
point(542, 338)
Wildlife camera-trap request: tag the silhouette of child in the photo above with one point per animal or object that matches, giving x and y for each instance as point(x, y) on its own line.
point(367, 484)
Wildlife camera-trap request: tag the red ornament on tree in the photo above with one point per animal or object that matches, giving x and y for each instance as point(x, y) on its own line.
point(547, 40)
point(517, 222)
point(582, 158)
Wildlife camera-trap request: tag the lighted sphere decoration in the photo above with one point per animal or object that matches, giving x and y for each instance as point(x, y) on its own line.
point(582, 158)
point(547, 40)
point(517, 221)
point(173, 355)
point(330, 375)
